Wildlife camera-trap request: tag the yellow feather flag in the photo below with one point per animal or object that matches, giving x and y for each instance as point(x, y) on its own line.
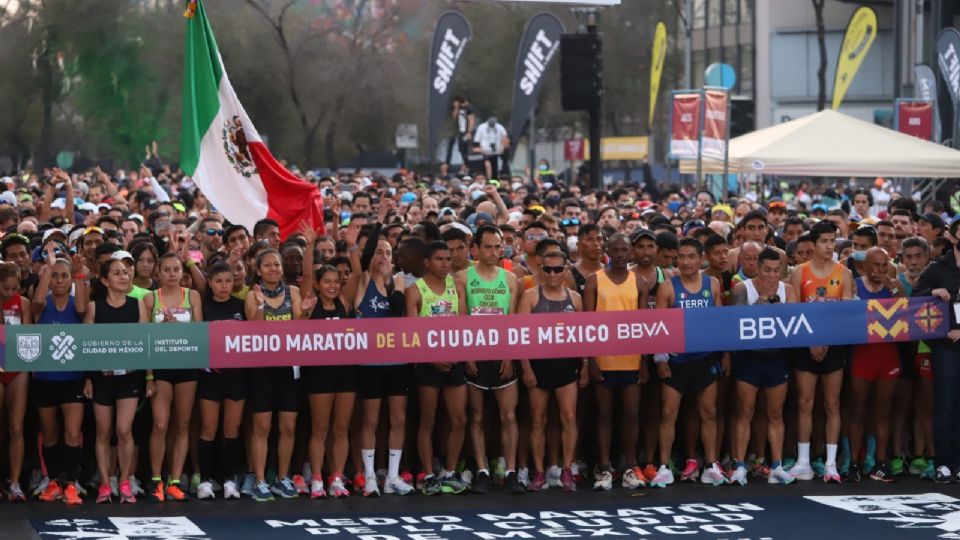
point(861, 31)
point(656, 65)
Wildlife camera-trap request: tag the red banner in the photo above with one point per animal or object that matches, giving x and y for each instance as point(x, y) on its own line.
point(685, 126)
point(442, 339)
point(715, 124)
point(915, 118)
point(574, 150)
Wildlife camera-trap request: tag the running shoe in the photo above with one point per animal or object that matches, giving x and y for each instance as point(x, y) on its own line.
point(300, 484)
point(317, 491)
point(603, 480)
point(406, 476)
point(523, 476)
point(567, 483)
point(691, 471)
point(420, 477)
point(39, 485)
point(760, 469)
point(853, 474)
point(195, 482)
point(261, 492)
point(249, 482)
point(802, 471)
point(714, 475)
point(81, 491)
point(538, 482)
point(336, 488)
point(156, 492)
point(943, 476)
point(70, 495)
point(512, 485)
point(553, 476)
point(844, 464)
point(897, 466)
point(870, 459)
point(205, 491)
point(230, 490)
point(480, 483)
point(780, 476)
point(175, 493)
point(284, 488)
point(396, 486)
point(126, 493)
point(739, 476)
point(431, 485)
point(818, 467)
point(359, 482)
point(929, 473)
point(831, 476)
point(663, 478)
point(882, 473)
point(105, 494)
point(114, 486)
point(370, 487)
point(451, 483)
point(649, 472)
point(918, 465)
point(135, 486)
point(633, 478)
point(500, 470)
point(577, 468)
point(52, 493)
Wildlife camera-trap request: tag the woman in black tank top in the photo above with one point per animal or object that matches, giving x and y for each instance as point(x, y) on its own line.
point(118, 388)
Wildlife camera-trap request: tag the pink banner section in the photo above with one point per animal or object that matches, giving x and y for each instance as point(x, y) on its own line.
point(444, 339)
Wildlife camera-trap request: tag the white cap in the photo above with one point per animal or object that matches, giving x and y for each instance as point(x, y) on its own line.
point(137, 217)
point(462, 227)
point(87, 207)
point(102, 206)
point(122, 255)
point(60, 203)
point(8, 197)
point(50, 232)
point(346, 196)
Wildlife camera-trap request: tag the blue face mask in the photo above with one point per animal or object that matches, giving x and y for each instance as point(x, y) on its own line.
point(542, 167)
point(674, 206)
point(507, 252)
point(859, 256)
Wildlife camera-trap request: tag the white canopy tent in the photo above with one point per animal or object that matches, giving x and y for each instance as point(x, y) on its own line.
point(829, 143)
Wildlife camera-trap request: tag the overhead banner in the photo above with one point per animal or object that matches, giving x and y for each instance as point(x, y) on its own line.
point(449, 41)
point(540, 43)
point(77, 347)
point(861, 31)
point(926, 89)
point(716, 108)
point(657, 60)
point(685, 125)
point(914, 118)
point(948, 58)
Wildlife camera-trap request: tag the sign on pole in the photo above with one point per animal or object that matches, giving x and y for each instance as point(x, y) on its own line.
point(914, 117)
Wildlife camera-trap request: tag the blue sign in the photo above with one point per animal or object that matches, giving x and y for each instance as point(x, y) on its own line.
point(722, 75)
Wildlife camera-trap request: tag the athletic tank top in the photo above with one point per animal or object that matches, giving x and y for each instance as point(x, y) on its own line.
point(129, 312)
point(753, 295)
point(13, 310)
point(816, 289)
point(652, 294)
point(181, 313)
point(373, 305)
point(613, 297)
point(52, 315)
point(685, 299)
point(487, 297)
point(283, 312)
point(445, 304)
point(863, 293)
point(320, 312)
point(545, 305)
point(229, 310)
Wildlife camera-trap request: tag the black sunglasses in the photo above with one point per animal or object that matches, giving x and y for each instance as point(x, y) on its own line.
point(214, 232)
point(553, 269)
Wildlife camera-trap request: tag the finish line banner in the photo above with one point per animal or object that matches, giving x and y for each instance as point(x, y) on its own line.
point(457, 339)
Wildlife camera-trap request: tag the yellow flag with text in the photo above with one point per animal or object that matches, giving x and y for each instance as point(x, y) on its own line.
point(861, 31)
point(656, 65)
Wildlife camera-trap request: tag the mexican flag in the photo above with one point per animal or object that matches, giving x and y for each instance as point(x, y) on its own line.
point(222, 151)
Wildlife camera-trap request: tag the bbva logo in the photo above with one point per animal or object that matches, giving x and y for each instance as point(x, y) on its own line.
point(774, 327)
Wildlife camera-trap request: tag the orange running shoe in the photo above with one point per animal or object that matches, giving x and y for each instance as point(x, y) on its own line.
point(70, 495)
point(649, 471)
point(53, 493)
point(359, 482)
point(174, 493)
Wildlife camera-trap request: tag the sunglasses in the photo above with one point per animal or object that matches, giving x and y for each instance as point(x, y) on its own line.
point(778, 204)
point(553, 269)
point(570, 222)
point(536, 237)
point(89, 230)
point(214, 232)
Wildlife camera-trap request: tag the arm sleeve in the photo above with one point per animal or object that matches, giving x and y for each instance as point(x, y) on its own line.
point(370, 247)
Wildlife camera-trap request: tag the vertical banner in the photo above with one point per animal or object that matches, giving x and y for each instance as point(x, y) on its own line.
point(540, 43)
point(656, 67)
point(861, 31)
point(926, 90)
point(948, 58)
point(914, 117)
point(685, 125)
point(449, 41)
point(715, 123)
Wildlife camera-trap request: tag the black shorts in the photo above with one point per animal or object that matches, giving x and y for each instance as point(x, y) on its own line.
point(908, 355)
point(488, 376)
point(618, 380)
point(176, 376)
point(762, 369)
point(330, 379)
point(224, 384)
point(427, 375)
point(54, 393)
point(556, 373)
point(694, 376)
point(835, 360)
point(273, 389)
point(108, 389)
point(378, 382)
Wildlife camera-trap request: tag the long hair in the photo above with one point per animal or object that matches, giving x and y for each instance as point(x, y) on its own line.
point(98, 291)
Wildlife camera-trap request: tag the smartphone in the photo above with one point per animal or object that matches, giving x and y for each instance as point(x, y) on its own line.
point(196, 256)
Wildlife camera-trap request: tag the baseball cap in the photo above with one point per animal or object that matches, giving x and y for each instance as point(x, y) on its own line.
point(50, 232)
point(122, 255)
point(933, 219)
point(60, 203)
point(636, 235)
point(408, 197)
point(8, 197)
point(692, 224)
point(478, 216)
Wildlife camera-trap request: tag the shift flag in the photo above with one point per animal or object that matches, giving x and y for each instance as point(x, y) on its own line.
point(449, 41)
point(540, 43)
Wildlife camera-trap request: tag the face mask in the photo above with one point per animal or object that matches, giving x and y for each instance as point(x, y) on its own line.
point(859, 256)
point(542, 167)
point(836, 256)
point(508, 252)
point(674, 206)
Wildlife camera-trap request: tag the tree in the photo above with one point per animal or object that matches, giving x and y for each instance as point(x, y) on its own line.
point(822, 44)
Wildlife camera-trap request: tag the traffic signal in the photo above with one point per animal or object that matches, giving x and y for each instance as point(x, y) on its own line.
point(581, 72)
point(741, 116)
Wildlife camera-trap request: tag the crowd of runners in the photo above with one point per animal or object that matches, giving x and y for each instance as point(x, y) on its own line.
point(146, 246)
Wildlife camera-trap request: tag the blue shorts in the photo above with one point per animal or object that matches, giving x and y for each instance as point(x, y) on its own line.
point(618, 380)
point(763, 369)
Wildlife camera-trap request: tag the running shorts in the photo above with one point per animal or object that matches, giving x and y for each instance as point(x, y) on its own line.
point(108, 389)
point(835, 360)
point(694, 376)
point(488, 376)
point(54, 393)
point(762, 369)
point(223, 384)
point(618, 380)
point(556, 373)
point(330, 379)
point(427, 375)
point(378, 382)
point(876, 362)
point(273, 389)
point(176, 376)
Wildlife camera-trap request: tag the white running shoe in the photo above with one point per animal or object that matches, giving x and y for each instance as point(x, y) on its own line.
point(135, 486)
point(523, 476)
point(780, 476)
point(739, 476)
point(604, 481)
point(396, 486)
point(230, 490)
point(633, 479)
point(713, 475)
point(370, 488)
point(114, 486)
point(801, 471)
point(663, 478)
point(205, 490)
point(316, 489)
point(467, 477)
point(553, 477)
point(337, 489)
point(39, 484)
